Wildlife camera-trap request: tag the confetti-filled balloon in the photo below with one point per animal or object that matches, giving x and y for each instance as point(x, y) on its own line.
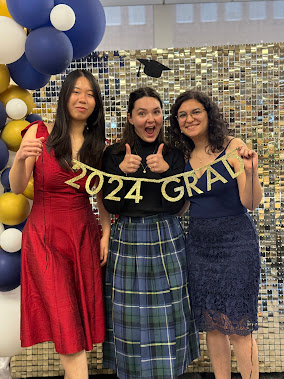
point(30, 13)
point(14, 209)
point(16, 109)
point(11, 133)
point(49, 50)
point(12, 41)
point(62, 17)
point(26, 76)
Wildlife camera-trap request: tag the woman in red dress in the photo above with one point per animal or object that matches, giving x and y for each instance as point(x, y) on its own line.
point(62, 252)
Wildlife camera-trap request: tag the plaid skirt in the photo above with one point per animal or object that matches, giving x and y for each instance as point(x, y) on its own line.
point(151, 331)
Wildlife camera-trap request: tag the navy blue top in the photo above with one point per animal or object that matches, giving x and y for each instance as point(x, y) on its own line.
point(222, 200)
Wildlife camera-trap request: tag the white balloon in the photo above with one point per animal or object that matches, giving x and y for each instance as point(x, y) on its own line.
point(62, 17)
point(1, 228)
point(10, 343)
point(16, 109)
point(12, 41)
point(11, 240)
point(5, 368)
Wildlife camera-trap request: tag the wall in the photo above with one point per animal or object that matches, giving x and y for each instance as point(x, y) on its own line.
point(247, 82)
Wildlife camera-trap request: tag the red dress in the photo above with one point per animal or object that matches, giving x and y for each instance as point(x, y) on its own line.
point(62, 294)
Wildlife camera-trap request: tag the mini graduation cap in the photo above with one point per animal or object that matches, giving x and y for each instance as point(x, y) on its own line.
point(152, 68)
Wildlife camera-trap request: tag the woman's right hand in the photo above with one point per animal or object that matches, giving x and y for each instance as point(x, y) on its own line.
point(131, 162)
point(30, 148)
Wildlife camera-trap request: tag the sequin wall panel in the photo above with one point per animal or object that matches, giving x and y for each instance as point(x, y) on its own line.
point(247, 82)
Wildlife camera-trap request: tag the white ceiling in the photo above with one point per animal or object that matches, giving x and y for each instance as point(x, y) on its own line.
point(111, 3)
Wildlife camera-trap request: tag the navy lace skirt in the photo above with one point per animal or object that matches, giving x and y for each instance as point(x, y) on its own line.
point(224, 269)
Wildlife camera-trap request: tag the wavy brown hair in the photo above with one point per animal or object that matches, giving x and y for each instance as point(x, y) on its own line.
point(94, 133)
point(217, 126)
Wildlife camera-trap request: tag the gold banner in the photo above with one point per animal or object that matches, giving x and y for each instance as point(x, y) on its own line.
point(135, 192)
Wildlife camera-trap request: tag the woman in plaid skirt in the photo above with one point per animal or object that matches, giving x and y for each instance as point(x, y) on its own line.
point(150, 328)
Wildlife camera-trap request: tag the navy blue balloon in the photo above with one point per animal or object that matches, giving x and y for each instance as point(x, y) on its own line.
point(10, 270)
point(26, 76)
point(3, 115)
point(89, 26)
point(33, 117)
point(30, 13)
point(5, 178)
point(4, 154)
point(18, 226)
point(49, 50)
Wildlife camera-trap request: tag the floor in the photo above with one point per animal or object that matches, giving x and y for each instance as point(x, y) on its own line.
point(277, 375)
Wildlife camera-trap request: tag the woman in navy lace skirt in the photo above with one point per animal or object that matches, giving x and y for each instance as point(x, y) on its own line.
point(222, 243)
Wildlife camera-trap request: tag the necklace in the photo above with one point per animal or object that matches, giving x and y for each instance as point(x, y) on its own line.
point(141, 164)
point(200, 159)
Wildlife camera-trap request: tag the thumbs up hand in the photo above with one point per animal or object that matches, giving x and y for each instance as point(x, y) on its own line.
point(131, 162)
point(156, 162)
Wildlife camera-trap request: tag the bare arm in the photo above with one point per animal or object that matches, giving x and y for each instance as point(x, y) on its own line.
point(23, 165)
point(105, 222)
point(250, 190)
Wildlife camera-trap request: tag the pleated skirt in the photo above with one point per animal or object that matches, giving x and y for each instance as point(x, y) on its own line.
point(151, 329)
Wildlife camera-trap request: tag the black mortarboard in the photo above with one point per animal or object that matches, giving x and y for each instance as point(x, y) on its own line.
point(152, 68)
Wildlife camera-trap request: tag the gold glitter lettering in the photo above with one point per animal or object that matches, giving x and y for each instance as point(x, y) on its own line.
point(178, 189)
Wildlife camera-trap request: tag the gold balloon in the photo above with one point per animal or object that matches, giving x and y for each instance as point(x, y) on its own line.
point(4, 77)
point(14, 209)
point(29, 191)
point(16, 92)
point(3, 9)
point(11, 133)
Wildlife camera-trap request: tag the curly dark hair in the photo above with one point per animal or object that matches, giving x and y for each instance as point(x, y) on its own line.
point(129, 135)
point(217, 126)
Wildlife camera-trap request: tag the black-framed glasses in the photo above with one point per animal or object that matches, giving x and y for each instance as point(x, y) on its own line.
point(182, 116)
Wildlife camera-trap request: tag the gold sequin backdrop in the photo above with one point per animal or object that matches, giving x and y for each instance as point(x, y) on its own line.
point(247, 82)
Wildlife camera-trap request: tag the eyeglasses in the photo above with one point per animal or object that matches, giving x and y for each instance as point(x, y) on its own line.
point(195, 113)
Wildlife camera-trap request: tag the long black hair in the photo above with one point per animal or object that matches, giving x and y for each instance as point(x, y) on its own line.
point(129, 135)
point(94, 133)
point(217, 126)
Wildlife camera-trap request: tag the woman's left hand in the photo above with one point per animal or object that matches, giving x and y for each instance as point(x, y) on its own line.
point(156, 162)
point(104, 250)
point(249, 157)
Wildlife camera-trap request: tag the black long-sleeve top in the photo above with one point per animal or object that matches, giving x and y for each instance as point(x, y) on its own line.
point(153, 202)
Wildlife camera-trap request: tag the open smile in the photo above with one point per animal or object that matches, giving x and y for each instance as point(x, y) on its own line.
point(150, 130)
